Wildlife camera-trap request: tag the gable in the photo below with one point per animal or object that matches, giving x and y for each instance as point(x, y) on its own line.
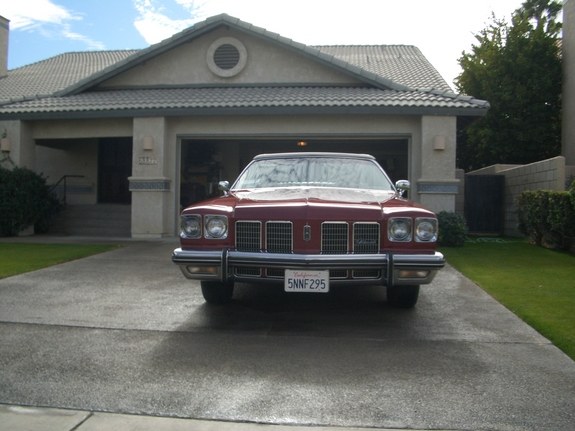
point(260, 62)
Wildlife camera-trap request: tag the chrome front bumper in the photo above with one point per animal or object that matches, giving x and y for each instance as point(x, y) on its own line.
point(391, 269)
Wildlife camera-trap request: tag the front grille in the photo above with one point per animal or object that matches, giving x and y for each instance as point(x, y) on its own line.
point(366, 273)
point(248, 271)
point(334, 238)
point(366, 238)
point(248, 236)
point(279, 237)
point(275, 272)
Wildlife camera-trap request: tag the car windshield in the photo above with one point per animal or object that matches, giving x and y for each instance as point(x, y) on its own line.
point(315, 172)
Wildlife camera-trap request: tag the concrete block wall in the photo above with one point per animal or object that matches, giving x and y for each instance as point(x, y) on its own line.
point(548, 174)
point(545, 175)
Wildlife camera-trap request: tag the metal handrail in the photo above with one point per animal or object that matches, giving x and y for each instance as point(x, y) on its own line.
point(64, 179)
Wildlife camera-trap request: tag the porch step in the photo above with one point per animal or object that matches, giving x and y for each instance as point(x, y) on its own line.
point(103, 220)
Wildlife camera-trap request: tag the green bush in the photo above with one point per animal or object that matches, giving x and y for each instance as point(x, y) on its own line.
point(452, 229)
point(548, 217)
point(25, 200)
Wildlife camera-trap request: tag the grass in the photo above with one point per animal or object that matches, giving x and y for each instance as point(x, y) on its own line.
point(537, 284)
point(19, 258)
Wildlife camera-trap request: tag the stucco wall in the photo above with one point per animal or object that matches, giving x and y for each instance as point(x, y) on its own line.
point(433, 163)
point(188, 66)
point(78, 158)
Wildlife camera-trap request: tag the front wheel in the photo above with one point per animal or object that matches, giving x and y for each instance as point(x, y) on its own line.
point(403, 296)
point(216, 292)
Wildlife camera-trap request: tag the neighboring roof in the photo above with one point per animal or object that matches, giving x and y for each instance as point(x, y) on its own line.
point(395, 77)
point(57, 73)
point(404, 64)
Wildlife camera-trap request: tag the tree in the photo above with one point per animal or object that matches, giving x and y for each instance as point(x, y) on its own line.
point(517, 68)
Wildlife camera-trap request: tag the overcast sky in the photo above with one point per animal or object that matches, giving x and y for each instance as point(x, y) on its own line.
point(441, 29)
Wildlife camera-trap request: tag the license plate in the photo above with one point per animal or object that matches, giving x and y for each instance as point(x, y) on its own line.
point(297, 280)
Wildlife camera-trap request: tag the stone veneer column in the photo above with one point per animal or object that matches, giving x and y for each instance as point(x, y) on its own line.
point(149, 184)
point(437, 186)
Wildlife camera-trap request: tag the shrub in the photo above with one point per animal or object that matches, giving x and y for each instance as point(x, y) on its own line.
point(25, 200)
point(452, 229)
point(548, 217)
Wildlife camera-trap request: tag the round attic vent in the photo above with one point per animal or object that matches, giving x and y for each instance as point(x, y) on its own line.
point(226, 57)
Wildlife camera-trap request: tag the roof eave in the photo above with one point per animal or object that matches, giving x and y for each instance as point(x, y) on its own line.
point(262, 110)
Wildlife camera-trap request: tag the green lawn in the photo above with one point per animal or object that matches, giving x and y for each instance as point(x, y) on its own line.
point(535, 283)
point(16, 258)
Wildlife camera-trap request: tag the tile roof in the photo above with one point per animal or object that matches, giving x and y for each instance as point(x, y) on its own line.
point(395, 76)
point(404, 64)
point(266, 99)
point(55, 74)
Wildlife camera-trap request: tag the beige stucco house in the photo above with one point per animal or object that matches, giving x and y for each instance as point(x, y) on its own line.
point(157, 128)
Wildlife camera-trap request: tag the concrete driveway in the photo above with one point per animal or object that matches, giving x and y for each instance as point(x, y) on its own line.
point(124, 332)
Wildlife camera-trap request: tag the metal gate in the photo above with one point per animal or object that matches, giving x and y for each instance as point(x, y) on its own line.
point(484, 200)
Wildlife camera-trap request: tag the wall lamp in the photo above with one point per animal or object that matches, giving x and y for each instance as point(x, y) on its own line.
point(148, 143)
point(301, 144)
point(439, 143)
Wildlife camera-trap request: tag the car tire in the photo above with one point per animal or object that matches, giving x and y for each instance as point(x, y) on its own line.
point(403, 296)
point(215, 292)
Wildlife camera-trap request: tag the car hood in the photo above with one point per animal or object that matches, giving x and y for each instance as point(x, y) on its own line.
point(314, 194)
point(311, 203)
point(320, 203)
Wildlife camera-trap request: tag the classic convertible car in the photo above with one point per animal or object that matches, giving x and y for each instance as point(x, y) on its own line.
point(310, 221)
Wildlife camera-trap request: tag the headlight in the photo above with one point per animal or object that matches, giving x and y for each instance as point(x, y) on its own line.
point(399, 229)
point(191, 226)
point(425, 230)
point(216, 227)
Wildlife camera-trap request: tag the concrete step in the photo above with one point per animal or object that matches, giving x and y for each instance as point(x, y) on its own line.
point(105, 220)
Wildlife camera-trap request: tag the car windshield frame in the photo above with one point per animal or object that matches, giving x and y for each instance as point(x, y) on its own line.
point(326, 172)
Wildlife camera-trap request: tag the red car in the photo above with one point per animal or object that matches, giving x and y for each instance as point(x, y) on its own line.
point(310, 221)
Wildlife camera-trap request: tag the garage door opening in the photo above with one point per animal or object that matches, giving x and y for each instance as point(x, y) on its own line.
point(205, 162)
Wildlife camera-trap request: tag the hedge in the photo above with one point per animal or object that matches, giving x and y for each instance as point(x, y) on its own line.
point(548, 217)
point(452, 229)
point(25, 200)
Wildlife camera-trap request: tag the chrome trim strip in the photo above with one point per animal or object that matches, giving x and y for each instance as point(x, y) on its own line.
point(435, 261)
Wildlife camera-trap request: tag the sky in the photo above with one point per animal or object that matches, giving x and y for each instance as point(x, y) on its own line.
point(441, 29)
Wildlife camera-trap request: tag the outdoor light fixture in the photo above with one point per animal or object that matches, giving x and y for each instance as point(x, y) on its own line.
point(148, 143)
point(301, 144)
point(439, 143)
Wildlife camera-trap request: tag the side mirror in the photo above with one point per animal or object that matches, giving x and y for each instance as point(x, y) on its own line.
point(224, 186)
point(402, 187)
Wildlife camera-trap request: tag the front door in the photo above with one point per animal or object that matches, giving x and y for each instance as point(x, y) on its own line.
point(114, 168)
